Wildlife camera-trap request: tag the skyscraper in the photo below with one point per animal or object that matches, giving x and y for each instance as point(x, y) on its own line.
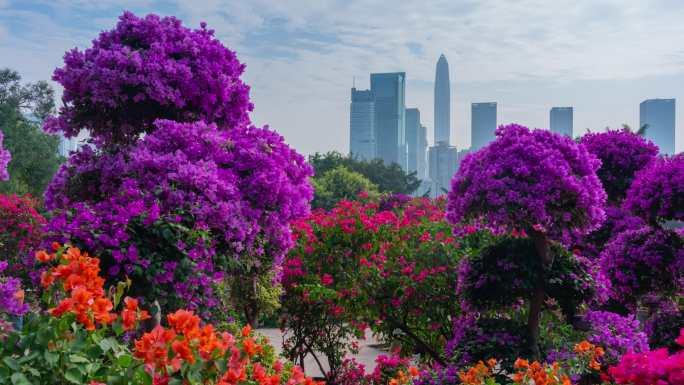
point(561, 120)
point(659, 115)
point(421, 155)
point(362, 124)
point(442, 101)
point(412, 131)
point(443, 164)
point(390, 106)
point(482, 124)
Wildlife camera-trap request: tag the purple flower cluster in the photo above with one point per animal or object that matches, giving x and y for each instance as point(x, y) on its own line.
point(145, 69)
point(11, 294)
point(5, 158)
point(177, 187)
point(643, 261)
point(616, 334)
point(657, 192)
point(622, 154)
point(617, 221)
point(243, 186)
point(392, 201)
point(438, 375)
point(529, 179)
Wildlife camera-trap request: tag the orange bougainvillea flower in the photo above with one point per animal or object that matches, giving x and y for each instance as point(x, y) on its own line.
point(130, 315)
point(44, 257)
point(153, 347)
point(185, 322)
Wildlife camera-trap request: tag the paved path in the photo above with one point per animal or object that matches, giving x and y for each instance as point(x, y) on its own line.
point(366, 355)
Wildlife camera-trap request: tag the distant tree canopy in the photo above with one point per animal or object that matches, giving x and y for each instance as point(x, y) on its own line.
point(35, 155)
point(387, 178)
point(338, 184)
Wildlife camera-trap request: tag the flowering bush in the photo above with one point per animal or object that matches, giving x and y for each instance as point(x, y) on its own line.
point(657, 193)
point(616, 334)
point(617, 220)
point(536, 181)
point(11, 295)
point(663, 325)
point(201, 194)
point(21, 231)
point(643, 261)
point(651, 367)
point(529, 179)
point(506, 271)
point(146, 69)
point(391, 268)
point(622, 153)
point(79, 340)
point(193, 199)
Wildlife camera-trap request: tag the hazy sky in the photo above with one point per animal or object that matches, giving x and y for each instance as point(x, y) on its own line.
point(602, 57)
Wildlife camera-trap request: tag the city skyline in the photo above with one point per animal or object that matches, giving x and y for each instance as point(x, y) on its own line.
point(301, 58)
point(442, 102)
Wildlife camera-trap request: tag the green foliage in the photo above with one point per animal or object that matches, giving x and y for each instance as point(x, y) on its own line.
point(339, 184)
point(388, 178)
point(35, 157)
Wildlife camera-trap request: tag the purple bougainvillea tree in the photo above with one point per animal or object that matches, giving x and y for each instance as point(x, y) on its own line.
point(177, 188)
point(532, 180)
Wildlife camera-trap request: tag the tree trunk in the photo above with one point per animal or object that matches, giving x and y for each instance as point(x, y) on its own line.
point(543, 248)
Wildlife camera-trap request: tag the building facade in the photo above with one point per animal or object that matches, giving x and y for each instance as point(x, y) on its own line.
point(560, 119)
point(362, 125)
point(390, 125)
point(442, 101)
point(422, 164)
point(659, 116)
point(412, 132)
point(442, 165)
point(482, 124)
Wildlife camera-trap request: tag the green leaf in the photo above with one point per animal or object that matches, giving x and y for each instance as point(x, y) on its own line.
point(51, 358)
point(11, 363)
point(125, 360)
point(76, 359)
point(20, 379)
point(74, 375)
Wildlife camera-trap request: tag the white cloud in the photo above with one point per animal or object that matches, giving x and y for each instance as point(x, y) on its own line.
point(301, 56)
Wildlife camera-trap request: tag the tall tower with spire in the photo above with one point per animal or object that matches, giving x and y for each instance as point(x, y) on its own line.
point(442, 101)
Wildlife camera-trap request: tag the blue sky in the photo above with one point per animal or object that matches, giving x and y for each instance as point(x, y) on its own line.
point(601, 56)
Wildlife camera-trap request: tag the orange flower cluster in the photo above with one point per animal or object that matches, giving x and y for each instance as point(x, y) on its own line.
point(78, 274)
point(185, 338)
point(404, 378)
point(478, 374)
point(591, 353)
point(537, 374)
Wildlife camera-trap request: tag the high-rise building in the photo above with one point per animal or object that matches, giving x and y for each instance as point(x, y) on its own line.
point(421, 155)
point(482, 124)
point(362, 124)
point(443, 164)
point(442, 101)
point(561, 120)
point(390, 106)
point(412, 131)
point(659, 116)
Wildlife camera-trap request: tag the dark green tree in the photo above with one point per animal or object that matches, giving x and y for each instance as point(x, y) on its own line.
point(35, 155)
point(388, 178)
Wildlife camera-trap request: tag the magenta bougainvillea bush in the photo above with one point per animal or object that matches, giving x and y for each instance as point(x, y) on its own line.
point(617, 220)
point(657, 193)
point(643, 261)
point(202, 194)
point(21, 232)
point(145, 69)
point(622, 154)
point(529, 179)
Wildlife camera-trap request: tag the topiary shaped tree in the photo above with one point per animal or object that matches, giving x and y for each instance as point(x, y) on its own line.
point(201, 195)
point(534, 180)
point(622, 154)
